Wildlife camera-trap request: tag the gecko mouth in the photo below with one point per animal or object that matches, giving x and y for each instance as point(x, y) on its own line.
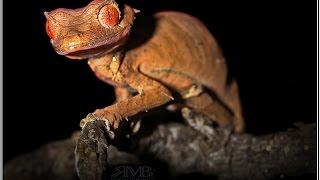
point(93, 49)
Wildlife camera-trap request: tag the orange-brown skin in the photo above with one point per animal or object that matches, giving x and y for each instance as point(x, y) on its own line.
point(180, 62)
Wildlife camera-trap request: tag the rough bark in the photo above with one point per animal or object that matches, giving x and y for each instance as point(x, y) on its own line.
point(91, 152)
point(182, 149)
point(234, 156)
point(52, 161)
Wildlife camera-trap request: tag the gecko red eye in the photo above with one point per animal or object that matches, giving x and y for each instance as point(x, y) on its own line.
point(109, 15)
point(50, 30)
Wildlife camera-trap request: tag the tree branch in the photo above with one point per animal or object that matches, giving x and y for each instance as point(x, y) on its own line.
point(183, 150)
point(234, 156)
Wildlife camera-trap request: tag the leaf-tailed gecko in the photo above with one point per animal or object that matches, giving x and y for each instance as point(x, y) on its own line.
point(173, 59)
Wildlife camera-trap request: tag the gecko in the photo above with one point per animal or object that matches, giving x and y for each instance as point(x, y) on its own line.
point(168, 59)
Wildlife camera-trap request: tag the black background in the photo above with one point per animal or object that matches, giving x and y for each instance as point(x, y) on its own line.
point(270, 47)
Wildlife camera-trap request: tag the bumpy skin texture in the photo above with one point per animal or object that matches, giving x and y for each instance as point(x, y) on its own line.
point(171, 58)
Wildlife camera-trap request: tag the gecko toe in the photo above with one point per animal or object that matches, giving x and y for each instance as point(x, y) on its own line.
point(90, 117)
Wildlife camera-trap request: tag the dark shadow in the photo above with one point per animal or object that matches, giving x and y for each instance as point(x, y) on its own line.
point(142, 30)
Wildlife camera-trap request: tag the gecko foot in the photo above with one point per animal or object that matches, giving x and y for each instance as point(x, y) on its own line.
point(194, 90)
point(202, 123)
point(93, 117)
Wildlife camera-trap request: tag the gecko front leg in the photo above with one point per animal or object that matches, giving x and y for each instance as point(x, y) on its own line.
point(151, 94)
point(122, 93)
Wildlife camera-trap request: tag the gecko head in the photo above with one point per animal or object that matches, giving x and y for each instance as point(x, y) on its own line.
point(91, 31)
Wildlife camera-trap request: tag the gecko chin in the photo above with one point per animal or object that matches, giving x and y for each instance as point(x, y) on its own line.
point(93, 51)
point(90, 53)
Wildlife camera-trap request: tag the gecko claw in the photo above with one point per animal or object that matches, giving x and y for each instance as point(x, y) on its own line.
point(90, 117)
